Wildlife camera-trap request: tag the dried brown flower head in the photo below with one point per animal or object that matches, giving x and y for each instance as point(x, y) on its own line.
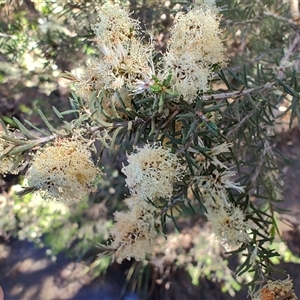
point(276, 290)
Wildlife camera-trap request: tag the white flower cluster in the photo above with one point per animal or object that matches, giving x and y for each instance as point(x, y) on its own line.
point(151, 173)
point(194, 48)
point(228, 222)
point(63, 171)
point(214, 181)
point(114, 25)
point(213, 178)
point(217, 182)
point(126, 61)
point(134, 233)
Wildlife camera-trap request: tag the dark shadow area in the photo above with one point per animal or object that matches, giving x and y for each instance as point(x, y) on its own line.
point(27, 273)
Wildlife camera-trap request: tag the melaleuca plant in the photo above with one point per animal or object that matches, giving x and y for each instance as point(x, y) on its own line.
point(190, 144)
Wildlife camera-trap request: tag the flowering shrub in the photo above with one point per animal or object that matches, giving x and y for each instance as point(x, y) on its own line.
point(189, 145)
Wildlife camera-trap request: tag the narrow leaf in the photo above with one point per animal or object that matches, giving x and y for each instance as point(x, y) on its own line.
point(21, 149)
point(36, 128)
point(50, 127)
point(23, 129)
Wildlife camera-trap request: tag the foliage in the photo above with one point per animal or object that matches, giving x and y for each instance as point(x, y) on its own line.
point(200, 137)
point(53, 224)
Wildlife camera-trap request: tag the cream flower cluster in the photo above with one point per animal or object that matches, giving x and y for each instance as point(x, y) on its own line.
point(151, 172)
point(126, 62)
point(63, 171)
point(217, 179)
point(228, 222)
point(134, 233)
point(125, 65)
point(89, 84)
point(279, 289)
point(217, 182)
point(213, 178)
point(115, 25)
point(204, 162)
point(194, 48)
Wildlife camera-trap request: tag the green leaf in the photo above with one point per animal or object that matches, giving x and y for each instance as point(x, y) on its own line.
point(50, 127)
point(191, 130)
point(23, 129)
point(289, 89)
point(117, 131)
point(237, 78)
point(2, 124)
point(23, 148)
point(224, 79)
point(36, 128)
point(57, 113)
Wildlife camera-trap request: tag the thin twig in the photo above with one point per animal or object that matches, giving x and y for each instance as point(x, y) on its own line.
point(281, 18)
point(238, 93)
point(241, 123)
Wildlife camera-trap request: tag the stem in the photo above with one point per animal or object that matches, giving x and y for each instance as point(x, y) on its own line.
point(238, 93)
